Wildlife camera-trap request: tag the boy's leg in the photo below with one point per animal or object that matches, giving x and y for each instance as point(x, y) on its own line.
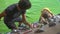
point(19, 19)
point(10, 24)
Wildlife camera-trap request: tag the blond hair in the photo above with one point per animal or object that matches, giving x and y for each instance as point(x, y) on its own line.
point(48, 10)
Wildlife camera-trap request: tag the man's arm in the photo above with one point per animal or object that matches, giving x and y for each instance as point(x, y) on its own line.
point(24, 20)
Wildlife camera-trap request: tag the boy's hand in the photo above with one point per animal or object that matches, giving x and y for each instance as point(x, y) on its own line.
point(0, 18)
point(2, 15)
point(27, 23)
point(31, 27)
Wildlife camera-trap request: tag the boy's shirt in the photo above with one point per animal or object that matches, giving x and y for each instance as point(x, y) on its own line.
point(12, 12)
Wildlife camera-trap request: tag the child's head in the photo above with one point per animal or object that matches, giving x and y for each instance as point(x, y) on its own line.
point(24, 4)
point(46, 10)
point(46, 13)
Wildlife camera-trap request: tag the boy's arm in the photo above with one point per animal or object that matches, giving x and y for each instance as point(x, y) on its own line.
point(43, 20)
point(51, 13)
point(24, 20)
point(2, 14)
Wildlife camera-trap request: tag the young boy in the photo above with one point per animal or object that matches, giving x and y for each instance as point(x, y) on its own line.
point(12, 13)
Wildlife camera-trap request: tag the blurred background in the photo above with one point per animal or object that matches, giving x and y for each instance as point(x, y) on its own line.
point(33, 13)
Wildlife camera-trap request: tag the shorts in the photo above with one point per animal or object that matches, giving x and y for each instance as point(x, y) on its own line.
point(10, 23)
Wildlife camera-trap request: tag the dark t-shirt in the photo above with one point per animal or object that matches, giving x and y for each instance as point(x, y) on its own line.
point(12, 12)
